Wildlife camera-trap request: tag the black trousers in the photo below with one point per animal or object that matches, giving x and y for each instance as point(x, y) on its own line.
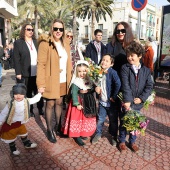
point(32, 90)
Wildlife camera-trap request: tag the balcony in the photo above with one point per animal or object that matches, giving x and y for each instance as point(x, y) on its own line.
point(84, 38)
point(10, 2)
point(8, 8)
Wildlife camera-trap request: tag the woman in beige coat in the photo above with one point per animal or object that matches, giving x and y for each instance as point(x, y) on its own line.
point(53, 73)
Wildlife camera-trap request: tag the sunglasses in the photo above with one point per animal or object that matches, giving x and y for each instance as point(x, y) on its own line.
point(121, 30)
point(29, 29)
point(56, 29)
point(69, 36)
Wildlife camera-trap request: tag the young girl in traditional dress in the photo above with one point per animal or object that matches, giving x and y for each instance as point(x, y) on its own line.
point(14, 116)
point(80, 120)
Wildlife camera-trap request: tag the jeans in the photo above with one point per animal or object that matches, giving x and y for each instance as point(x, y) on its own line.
point(0, 73)
point(123, 131)
point(113, 119)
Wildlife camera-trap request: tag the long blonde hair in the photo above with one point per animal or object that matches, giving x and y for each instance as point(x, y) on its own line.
point(51, 29)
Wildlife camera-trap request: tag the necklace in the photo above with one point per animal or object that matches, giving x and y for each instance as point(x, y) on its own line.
point(30, 44)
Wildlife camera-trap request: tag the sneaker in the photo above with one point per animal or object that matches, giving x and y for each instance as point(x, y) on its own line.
point(114, 141)
point(33, 145)
point(17, 152)
point(134, 147)
point(122, 147)
point(95, 139)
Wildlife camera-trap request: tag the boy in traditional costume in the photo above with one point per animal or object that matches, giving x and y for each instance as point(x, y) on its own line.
point(14, 116)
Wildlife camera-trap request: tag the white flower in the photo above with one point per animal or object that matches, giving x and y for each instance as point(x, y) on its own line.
point(100, 75)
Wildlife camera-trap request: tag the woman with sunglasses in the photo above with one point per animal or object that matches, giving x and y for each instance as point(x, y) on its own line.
point(25, 63)
point(122, 36)
point(75, 51)
point(54, 73)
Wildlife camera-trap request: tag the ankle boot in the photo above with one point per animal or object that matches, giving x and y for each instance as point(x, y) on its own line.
point(79, 141)
point(51, 137)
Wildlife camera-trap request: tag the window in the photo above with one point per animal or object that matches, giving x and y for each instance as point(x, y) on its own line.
point(114, 25)
point(86, 31)
point(100, 26)
point(142, 31)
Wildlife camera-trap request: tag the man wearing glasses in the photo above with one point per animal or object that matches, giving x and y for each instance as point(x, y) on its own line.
point(25, 61)
point(96, 49)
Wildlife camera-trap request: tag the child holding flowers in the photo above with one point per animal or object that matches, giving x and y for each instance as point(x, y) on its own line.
point(136, 88)
point(108, 90)
point(80, 120)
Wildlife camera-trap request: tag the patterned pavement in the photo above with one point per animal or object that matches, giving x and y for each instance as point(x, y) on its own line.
point(154, 153)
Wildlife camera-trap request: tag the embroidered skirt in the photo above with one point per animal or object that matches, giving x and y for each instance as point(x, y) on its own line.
point(76, 124)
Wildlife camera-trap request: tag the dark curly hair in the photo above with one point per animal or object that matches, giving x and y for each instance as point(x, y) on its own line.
point(128, 36)
point(22, 32)
point(136, 48)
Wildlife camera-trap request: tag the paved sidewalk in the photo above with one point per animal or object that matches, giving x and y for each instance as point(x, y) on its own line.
point(154, 153)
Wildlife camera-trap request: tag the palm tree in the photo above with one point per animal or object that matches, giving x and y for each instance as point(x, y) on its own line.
point(96, 10)
point(73, 6)
point(32, 9)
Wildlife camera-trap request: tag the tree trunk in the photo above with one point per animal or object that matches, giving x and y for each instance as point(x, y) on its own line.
point(36, 22)
point(74, 28)
point(92, 24)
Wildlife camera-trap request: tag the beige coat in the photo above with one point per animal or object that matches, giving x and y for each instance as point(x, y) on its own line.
point(48, 69)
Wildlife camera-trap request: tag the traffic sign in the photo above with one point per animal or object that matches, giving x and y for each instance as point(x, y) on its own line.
point(138, 5)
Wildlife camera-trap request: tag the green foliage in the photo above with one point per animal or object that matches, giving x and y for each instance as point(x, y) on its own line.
point(150, 100)
point(134, 121)
point(95, 72)
point(99, 7)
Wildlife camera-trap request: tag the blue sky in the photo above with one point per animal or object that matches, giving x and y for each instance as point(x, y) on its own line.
point(159, 2)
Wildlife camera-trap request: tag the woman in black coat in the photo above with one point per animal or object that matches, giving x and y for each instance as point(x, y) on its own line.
point(122, 36)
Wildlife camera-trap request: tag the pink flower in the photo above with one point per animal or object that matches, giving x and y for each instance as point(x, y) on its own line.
point(143, 125)
point(135, 132)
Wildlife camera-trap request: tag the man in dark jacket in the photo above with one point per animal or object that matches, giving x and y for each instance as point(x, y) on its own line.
point(25, 62)
point(96, 49)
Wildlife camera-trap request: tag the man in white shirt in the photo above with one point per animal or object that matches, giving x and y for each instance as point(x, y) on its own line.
point(96, 49)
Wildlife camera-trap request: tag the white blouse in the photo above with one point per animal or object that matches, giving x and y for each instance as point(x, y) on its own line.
point(33, 56)
point(63, 61)
point(19, 110)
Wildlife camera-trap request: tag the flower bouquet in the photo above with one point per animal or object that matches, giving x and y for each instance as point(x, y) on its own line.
point(150, 100)
point(95, 72)
point(135, 122)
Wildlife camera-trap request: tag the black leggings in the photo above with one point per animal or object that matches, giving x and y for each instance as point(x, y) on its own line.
point(55, 104)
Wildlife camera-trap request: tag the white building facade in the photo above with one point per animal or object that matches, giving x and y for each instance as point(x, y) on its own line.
point(8, 9)
point(122, 11)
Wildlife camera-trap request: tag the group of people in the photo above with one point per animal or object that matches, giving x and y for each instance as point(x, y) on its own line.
point(54, 68)
point(6, 59)
point(7, 56)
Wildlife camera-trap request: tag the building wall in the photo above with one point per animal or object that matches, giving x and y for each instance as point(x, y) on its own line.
point(122, 11)
point(8, 9)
